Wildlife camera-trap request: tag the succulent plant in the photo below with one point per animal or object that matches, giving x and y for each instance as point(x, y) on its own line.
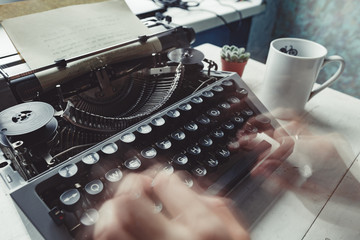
point(234, 54)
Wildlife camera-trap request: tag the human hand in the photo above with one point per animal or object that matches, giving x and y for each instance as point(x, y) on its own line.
point(246, 139)
point(131, 213)
point(313, 161)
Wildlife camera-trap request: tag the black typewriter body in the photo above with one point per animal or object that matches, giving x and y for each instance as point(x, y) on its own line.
point(64, 150)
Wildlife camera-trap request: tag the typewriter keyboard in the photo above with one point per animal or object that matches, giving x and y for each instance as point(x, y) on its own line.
point(191, 135)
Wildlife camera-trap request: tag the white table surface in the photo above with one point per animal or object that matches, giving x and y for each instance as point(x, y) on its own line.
point(327, 209)
point(326, 205)
point(204, 16)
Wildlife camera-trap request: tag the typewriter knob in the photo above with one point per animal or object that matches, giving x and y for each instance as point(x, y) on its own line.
point(187, 56)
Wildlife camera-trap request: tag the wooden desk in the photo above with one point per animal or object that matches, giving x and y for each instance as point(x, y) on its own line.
point(325, 204)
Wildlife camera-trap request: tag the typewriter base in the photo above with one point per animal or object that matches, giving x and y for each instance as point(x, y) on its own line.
point(33, 196)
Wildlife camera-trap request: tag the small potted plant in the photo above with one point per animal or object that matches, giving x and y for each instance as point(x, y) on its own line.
point(234, 59)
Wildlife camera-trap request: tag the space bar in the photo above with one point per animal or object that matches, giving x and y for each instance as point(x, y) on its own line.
point(238, 171)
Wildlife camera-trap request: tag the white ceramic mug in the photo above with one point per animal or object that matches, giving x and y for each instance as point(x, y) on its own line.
point(292, 68)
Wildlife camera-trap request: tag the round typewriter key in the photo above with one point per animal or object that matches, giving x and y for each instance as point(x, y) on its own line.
point(127, 137)
point(247, 112)
point(158, 121)
point(251, 129)
point(227, 83)
point(207, 94)
point(263, 119)
point(206, 141)
point(224, 105)
point(213, 112)
point(178, 135)
point(163, 145)
point(194, 150)
point(191, 126)
point(109, 148)
point(196, 100)
point(209, 97)
point(180, 159)
point(185, 107)
point(89, 217)
point(168, 169)
point(114, 175)
point(149, 152)
point(233, 100)
point(188, 181)
point(68, 170)
point(70, 198)
point(91, 158)
point(238, 121)
point(94, 188)
point(217, 133)
point(211, 161)
point(228, 126)
point(222, 152)
point(262, 122)
point(132, 163)
point(199, 171)
point(217, 88)
point(173, 113)
point(242, 92)
point(144, 129)
point(202, 119)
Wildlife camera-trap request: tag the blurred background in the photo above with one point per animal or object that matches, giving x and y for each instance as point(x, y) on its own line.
point(334, 24)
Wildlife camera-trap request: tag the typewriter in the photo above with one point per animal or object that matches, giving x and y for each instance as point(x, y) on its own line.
point(63, 150)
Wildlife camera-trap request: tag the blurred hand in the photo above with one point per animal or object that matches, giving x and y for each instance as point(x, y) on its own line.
point(185, 214)
point(315, 162)
point(244, 140)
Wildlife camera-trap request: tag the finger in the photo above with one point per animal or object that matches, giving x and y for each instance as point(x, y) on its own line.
point(293, 128)
point(124, 217)
point(285, 149)
point(109, 224)
point(286, 114)
point(135, 184)
point(224, 210)
point(187, 207)
point(176, 197)
point(266, 168)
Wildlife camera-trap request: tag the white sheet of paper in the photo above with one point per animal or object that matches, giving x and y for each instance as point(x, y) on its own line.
point(62, 33)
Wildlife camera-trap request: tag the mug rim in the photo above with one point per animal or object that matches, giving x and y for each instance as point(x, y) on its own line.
point(298, 40)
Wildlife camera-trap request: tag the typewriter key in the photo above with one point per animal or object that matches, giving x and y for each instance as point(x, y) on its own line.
point(127, 137)
point(158, 121)
point(132, 163)
point(180, 160)
point(144, 129)
point(113, 175)
point(70, 199)
point(68, 170)
point(199, 171)
point(151, 152)
point(94, 189)
point(89, 217)
point(109, 148)
point(91, 158)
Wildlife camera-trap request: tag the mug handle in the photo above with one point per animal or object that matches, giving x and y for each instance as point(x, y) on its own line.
point(337, 74)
